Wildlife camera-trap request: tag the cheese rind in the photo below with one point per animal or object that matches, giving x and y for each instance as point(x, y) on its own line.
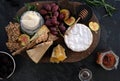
point(38, 51)
point(79, 38)
point(31, 21)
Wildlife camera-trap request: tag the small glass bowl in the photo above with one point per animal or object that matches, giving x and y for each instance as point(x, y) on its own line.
point(101, 57)
point(85, 74)
point(7, 65)
point(35, 29)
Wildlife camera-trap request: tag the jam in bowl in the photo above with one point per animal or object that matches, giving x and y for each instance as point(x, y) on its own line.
point(7, 65)
point(108, 60)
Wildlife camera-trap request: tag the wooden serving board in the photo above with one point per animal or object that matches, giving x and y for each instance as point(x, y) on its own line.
point(71, 56)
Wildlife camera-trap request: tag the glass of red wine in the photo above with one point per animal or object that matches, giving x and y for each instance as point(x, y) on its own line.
point(7, 65)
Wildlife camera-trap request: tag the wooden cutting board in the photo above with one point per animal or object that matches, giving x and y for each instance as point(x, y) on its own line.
point(71, 56)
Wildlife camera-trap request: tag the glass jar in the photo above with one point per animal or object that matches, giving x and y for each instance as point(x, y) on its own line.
point(85, 75)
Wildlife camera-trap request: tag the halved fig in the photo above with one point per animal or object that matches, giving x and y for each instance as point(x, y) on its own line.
point(66, 13)
point(94, 26)
point(70, 21)
point(24, 39)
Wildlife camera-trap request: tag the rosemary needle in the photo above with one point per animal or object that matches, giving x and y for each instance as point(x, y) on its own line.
point(109, 8)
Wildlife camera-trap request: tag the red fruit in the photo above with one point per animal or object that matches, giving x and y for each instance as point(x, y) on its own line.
point(55, 8)
point(48, 22)
point(54, 22)
point(54, 17)
point(53, 4)
point(61, 16)
point(66, 13)
point(43, 12)
point(62, 28)
point(56, 13)
point(53, 29)
point(54, 32)
point(47, 7)
point(70, 21)
point(24, 39)
point(47, 17)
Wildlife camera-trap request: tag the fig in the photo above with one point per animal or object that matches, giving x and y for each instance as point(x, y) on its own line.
point(66, 13)
point(24, 39)
point(70, 21)
point(94, 26)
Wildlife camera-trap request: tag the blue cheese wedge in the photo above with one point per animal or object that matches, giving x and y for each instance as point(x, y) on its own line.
point(79, 38)
point(31, 21)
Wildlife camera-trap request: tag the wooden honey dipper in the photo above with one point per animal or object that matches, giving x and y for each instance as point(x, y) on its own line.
point(82, 15)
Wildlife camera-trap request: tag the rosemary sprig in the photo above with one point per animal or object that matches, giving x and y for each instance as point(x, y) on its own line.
point(109, 8)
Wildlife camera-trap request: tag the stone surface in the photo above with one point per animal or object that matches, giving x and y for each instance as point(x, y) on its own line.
point(28, 71)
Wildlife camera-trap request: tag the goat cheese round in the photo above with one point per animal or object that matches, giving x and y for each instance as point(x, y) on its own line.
point(31, 21)
point(79, 38)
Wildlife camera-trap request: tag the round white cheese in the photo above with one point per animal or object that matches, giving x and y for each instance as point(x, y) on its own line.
point(79, 38)
point(30, 21)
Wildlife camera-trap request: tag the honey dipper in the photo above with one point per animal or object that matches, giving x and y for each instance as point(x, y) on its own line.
point(83, 13)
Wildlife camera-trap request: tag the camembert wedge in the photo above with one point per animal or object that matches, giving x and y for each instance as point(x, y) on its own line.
point(38, 51)
point(58, 54)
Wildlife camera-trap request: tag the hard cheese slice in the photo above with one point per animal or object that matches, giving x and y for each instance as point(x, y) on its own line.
point(37, 53)
point(58, 54)
point(41, 31)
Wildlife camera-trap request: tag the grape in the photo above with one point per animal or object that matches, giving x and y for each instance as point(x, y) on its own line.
point(47, 17)
point(61, 16)
point(43, 12)
point(52, 4)
point(54, 17)
point(48, 22)
point(57, 23)
point(55, 8)
point(47, 7)
point(54, 22)
point(56, 13)
point(62, 28)
point(53, 29)
point(54, 32)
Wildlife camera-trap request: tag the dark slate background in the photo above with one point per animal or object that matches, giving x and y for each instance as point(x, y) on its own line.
point(26, 70)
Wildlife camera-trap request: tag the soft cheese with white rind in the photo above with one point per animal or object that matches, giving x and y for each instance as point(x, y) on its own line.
point(30, 21)
point(79, 38)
